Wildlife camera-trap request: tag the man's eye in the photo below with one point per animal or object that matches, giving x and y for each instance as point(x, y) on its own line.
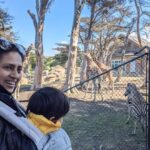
point(19, 70)
point(7, 67)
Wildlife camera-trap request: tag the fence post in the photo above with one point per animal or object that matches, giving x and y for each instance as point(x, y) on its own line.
point(148, 136)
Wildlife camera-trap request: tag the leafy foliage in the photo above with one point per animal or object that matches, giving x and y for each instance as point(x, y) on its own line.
point(48, 63)
point(60, 59)
point(5, 25)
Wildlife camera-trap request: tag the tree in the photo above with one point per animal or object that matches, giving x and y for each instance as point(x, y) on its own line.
point(38, 19)
point(72, 56)
point(1, 25)
point(142, 16)
point(32, 59)
point(48, 63)
point(138, 10)
point(125, 39)
point(5, 25)
point(100, 32)
point(88, 35)
point(60, 59)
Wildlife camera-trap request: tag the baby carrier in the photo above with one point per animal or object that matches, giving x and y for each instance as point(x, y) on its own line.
point(21, 123)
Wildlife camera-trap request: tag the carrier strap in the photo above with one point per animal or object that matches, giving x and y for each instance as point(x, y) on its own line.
point(23, 125)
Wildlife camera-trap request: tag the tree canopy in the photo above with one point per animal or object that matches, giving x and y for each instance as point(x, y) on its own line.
point(6, 29)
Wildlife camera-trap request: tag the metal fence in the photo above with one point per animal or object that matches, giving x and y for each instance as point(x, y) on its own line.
point(98, 118)
point(99, 115)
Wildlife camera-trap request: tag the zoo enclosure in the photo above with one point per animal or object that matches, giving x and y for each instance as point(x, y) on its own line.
point(134, 71)
point(100, 124)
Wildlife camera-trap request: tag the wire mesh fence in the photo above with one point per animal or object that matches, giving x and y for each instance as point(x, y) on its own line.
point(111, 117)
point(111, 113)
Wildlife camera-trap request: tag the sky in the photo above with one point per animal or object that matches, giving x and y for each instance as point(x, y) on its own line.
point(58, 22)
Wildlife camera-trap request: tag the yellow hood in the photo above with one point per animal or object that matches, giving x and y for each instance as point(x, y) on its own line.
point(42, 123)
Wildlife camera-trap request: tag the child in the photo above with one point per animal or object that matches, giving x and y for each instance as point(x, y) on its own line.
point(45, 110)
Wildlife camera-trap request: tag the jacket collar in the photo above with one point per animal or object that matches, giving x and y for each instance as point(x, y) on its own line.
point(46, 126)
point(8, 99)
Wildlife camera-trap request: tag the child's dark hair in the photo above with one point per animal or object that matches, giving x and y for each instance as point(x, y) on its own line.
point(49, 102)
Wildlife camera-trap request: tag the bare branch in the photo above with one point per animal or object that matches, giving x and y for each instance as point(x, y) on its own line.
point(37, 8)
point(33, 18)
point(49, 4)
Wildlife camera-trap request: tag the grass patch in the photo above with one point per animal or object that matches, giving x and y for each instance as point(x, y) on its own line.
point(89, 128)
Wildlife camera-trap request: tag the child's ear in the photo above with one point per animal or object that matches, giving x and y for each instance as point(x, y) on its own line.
point(61, 120)
point(28, 111)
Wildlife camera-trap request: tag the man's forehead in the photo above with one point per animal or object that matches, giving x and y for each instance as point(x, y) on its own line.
point(11, 57)
point(12, 63)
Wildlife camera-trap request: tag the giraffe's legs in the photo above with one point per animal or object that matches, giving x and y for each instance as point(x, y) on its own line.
point(111, 84)
point(17, 91)
point(94, 89)
point(100, 88)
point(87, 87)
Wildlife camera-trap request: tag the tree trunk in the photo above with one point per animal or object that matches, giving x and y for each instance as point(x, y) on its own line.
point(138, 22)
point(38, 72)
point(137, 5)
point(39, 57)
point(38, 21)
point(83, 65)
point(120, 70)
point(72, 56)
point(87, 39)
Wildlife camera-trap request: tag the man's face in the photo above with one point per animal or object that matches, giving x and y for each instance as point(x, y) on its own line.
point(10, 70)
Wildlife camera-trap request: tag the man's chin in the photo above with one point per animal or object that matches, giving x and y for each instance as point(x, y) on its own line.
point(11, 90)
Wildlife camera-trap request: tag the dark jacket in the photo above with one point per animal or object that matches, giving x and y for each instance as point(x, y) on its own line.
point(10, 137)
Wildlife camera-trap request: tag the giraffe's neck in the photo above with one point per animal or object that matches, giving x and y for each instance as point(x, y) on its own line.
point(89, 62)
point(102, 65)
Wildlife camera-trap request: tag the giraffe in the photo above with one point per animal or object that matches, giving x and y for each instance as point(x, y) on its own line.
point(26, 66)
point(109, 74)
point(27, 61)
point(17, 91)
point(91, 71)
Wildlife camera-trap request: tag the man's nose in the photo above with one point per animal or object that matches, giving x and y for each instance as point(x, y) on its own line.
point(15, 74)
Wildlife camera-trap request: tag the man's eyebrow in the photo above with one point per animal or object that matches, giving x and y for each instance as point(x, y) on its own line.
point(12, 64)
point(8, 64)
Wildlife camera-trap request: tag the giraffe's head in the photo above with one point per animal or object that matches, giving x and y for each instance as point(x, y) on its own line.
point(88, 56)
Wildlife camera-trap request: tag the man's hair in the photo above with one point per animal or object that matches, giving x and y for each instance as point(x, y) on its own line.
point(7, 46)
point(12, 50)
point(49, 102)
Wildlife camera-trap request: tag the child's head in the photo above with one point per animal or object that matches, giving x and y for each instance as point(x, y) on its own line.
point(49, 102)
